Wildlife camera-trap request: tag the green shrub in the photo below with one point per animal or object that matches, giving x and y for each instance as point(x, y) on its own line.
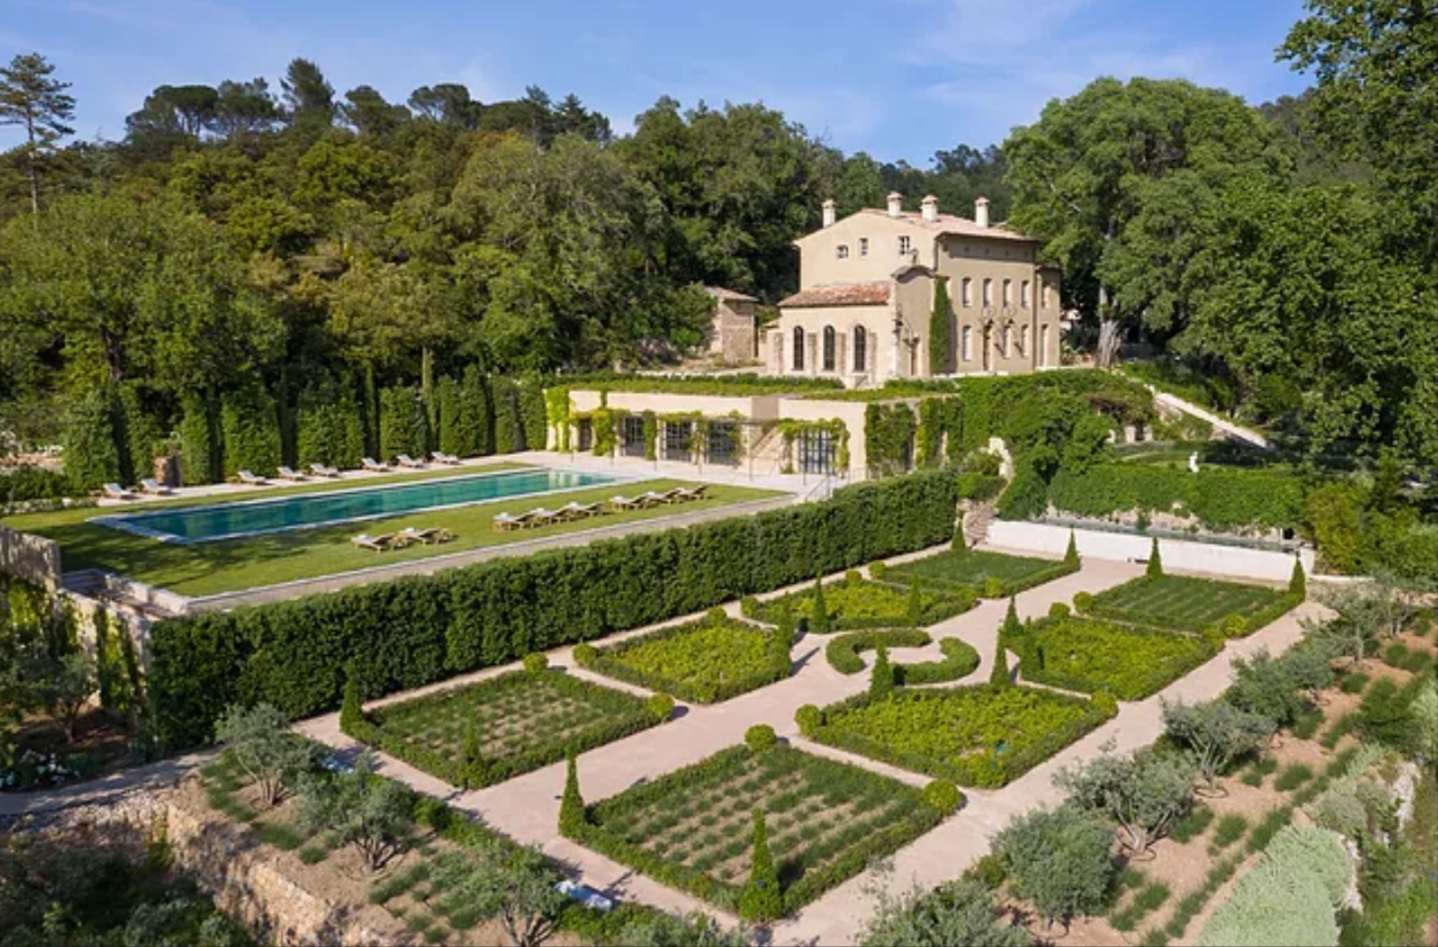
point(416, 630)
point(760, 737)
point(1192, 825)
point(1183, 603)
point(809, 719)
point(1230, 829)
point(855, 603)
point(943, 795)
point(1059, 610)
point(1292, 777)
point(1353, 682)
point(535, 662)
point(1298, 582)
point(999, 675)
point(1059, 860)
point(959, 661)
point(571, 804)
point(1089, 655)
point(1155, 564)
point(842, 652)
point(1083, 602)
point(707, 661)
point(881, 676)
point(988, 871)
point(249, 421)
point(585, 654)
point(660, 707)
point(92, 453)
point(1220, 498)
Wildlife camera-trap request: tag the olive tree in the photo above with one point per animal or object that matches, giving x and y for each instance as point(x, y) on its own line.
point(1058, 859)
point(1144, 793)
point(361, 809)
point(681, 930)
point(259, 741)
point(1215, 733)
point(958, 912)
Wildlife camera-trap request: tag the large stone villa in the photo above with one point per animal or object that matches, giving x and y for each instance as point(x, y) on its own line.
point(866, 293)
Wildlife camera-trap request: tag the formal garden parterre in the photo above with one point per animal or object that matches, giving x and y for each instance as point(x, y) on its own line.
point(975, 736)
point(1093, 655)
point(825, 820)
point(705, 661)
point(959, 660)
point(516, 722)
point(987, 574)
point(854, 602)
point(1186, 603)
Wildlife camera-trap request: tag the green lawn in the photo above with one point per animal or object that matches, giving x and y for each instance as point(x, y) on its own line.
point(1184, 603)
point(974, 569)
point(854, 602)
point(1092, 655)
point(211, 568)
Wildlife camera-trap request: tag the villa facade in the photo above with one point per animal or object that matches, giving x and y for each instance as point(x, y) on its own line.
point(866, 294)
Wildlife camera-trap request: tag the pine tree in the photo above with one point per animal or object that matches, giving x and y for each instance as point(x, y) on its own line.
point(1071, 556)
point(1298, 583)
point(351, 709)
point(1000, 674)
point(820, 622)
point(881, 677)
point(571, 804)
point(1155, 564)
point(760, 899)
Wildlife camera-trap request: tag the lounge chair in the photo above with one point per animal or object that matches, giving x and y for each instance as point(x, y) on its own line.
point(433, 534)
point(650, 498)
point(113, 491)
point(579, 511)
point(672, 495)
point(152, 486)
point(253, 480)
point(381, 543)
point(508, 522)
point(691, 493)
point(369, 463)
point(320, 470)
point(289, 473)
point(407, 461)
point(440, 457)
point(543, 517)
point(620, 504)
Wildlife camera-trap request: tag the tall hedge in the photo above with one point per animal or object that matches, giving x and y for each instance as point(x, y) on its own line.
point(416, 630)
point(92, 456)
point(532, 419)
point(1219, 497)
point(200, 455)
point(331, 429)
point(941, 342)
point(250, 428)
point(476, 411)
point(403, 423)
point(508, 425)
point(137, 433)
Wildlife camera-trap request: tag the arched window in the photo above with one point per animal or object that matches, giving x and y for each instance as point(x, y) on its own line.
point(1024, 294)
point(1008, 292)
point(798, 348)
point(988, 292)
point(967, 345)
point(861, 346)
point(1024, 339)
point(828, 348)
point(968, 291)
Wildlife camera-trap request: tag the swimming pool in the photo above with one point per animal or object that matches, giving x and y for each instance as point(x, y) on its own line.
point(204, 524)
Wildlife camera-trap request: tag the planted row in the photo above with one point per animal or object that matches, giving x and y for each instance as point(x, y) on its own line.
point(855, 603)
point(1091, 655)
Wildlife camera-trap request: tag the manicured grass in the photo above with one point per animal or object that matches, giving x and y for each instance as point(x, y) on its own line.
point(225, 566)
point(975, 736)
point(692, 829)
point(520, 721)
point(1183, 603)
point(854, 602)
point(987, 573)
point(1091, 655)
point(706, 661)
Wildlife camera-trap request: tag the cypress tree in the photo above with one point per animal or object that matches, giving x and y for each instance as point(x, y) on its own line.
point(1155, 564)
point(820, 622)
point(1000, 674)
point(1298, 583)
point(1012, 625)
point(915, 604)
point(571, 805)
point(351, 710)
point(881, 678)
point(760, 899)
point(1071, 556)
point(940, 342)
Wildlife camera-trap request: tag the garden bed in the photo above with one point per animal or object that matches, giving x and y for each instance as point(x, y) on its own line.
point(1092, 655)
point(1184, 603)
point(854, 602)
point(707, 661)
point(989, 574)
point(976, 736)
point(960, 659)
point(692, 828)
point(504, 726)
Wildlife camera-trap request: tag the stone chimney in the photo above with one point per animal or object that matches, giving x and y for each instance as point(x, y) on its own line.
point(896, 203)
point(828, 213)
point(981, 212)
point(931, 208)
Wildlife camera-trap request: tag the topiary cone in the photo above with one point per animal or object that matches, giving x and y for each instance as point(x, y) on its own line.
point(760, 900)
point(571, 804)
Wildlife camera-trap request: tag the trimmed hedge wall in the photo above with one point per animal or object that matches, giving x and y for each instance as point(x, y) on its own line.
point(1220, 498)
point(417, 630)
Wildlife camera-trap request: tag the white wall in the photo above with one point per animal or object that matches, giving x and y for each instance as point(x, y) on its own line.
point(1177, 554)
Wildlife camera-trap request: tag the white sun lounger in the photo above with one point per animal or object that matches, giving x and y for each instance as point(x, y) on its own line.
point(252, 479)
point(152, 486)
point(369, 463)
point(407, 461)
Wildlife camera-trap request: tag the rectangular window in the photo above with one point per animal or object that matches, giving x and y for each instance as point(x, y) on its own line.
point(967, 346)
point(677, 435)
point(1008, 292)
point(863, 246)
point(843, 251)
point(903, 246)
point(817, 451)
point(967, 287)
point(719, 443)
point(988, 292)
point(1046, 295)
point(584, 435)
point(1043, 344)
point(631, 431)
point(1024, 294)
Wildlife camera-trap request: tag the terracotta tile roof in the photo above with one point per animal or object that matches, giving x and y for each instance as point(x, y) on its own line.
point(839, 294)
point(729, 295)
point(950, 224)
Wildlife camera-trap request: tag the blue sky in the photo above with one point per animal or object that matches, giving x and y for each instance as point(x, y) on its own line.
point(896, 78)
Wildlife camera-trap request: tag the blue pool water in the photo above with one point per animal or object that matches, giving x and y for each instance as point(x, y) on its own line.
point(201, 524)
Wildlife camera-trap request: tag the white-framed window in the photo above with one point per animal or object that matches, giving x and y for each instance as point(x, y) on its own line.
point(966, 341)
point(863, 246)
point(1024, 340)
point(1004, 342)
point(904, 244)
point(842, 251)
point(988, 292)
point(967, 291)
point(1046, 295)
point(1024, 294)
point(1008, 292)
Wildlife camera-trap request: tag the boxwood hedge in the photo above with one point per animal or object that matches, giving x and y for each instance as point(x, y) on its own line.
point(1091, 655)
point(416, 630)
point(960, 659)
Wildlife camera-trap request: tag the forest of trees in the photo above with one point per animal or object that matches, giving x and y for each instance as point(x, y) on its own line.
point(301, 242)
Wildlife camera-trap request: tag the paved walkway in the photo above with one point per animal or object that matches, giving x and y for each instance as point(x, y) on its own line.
point(527, 806)
point(104, 790)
